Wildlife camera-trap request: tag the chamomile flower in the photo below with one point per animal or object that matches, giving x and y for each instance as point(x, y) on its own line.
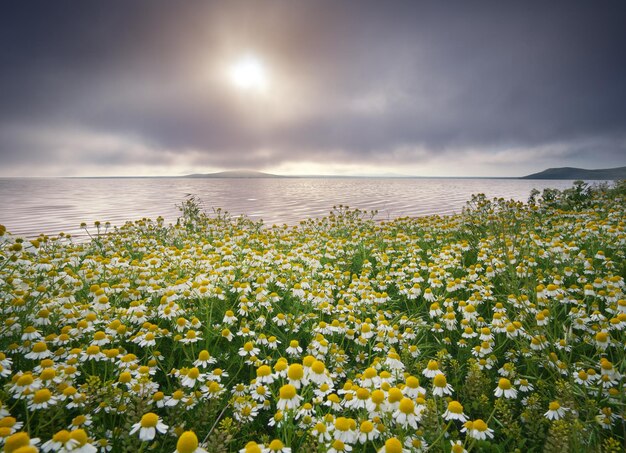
point(39, 351)
point(249, 349)
point(193, 377)
point(148, 426)
point(42, 399)
point(288, 398)
point(188, 443)
point(321, 432)
point(441, 386)
point(276, 446)
point(318, 373)
point(555, 411)
point(204, 359)
point(432, 369)
point(477, 429)
point(367, 432)
point(412, 388)
point(505, 388)
point(406, 414)
point(345, 430)
point(455, 412)
point(264, 375)
point(21, 442)
point(295, 374)
point(252, 447)
point(61, 442)
point(338, 446)
point(393, 445)
point(229, 317)
point(456, 446)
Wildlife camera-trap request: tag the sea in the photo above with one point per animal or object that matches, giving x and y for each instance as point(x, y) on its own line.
point(33, 206)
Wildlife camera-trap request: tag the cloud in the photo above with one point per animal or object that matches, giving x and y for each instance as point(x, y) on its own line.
point(396, 86)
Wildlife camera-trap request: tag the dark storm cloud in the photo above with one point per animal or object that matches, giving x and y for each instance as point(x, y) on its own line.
point(125, 83)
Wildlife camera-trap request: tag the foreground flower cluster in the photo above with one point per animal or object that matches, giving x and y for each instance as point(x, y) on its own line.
point(501, 327)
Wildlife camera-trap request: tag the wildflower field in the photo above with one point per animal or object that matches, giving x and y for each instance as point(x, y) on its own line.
point(498, 329)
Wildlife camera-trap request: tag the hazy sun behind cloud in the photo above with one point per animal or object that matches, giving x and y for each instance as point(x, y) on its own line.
point(249, 73)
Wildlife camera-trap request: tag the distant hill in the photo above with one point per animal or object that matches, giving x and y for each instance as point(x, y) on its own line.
point(579, 173)
point(234, 174)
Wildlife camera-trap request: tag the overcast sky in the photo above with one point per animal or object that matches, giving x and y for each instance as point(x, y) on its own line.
point(92, 88)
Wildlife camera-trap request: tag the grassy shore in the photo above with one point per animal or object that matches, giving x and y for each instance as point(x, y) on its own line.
point(499, 329)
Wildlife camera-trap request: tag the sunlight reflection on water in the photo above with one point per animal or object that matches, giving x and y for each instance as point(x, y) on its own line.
point(32, 206)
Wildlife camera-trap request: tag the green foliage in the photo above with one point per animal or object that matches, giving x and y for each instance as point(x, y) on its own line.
point(533, 292)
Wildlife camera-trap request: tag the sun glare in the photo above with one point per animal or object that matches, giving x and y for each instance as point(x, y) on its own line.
point(249, 74)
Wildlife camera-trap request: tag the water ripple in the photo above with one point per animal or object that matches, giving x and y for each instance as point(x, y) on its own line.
point(29, 207)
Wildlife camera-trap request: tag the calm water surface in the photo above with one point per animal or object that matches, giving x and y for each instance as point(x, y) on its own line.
point(32, 206)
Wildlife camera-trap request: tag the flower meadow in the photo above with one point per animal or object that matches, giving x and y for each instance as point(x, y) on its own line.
point(498, 329)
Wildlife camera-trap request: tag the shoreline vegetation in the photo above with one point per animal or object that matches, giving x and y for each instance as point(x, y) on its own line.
point(498, 329)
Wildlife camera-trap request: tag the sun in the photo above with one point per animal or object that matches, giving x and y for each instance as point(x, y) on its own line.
point(248, 73)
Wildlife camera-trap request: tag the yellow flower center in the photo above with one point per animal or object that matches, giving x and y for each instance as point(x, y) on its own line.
point(62, 436)
point(41, 396)
point(276, 445)
point(187, 442)
point(457, 448)
point(393, 445)
point(193, 373)
point(432, 366)
point(407, 406)
point(440, 381)
point(252, 447)
point(295, 372)
point(80, 436)
point(412, 382)
point(79, 420)
point(100, 335)
point(40, 347)
point(47, 374)
point(367, 427)
point(395, 395)
point(287, 392)
point(342, 424)
point(480, 425)
point(7, 422)
point(149, 420)
point(263, 370)
point(318, 367)
point(378, 396)
point(554, 406)
point(308, 360)
point(369, 373)
point(16, 441)
point(504, 384)
point(455, 407)
point(178, 395)
point(125, 377)
point(362, 394)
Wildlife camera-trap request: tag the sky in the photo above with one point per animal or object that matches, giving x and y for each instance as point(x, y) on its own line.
point(415, 88)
